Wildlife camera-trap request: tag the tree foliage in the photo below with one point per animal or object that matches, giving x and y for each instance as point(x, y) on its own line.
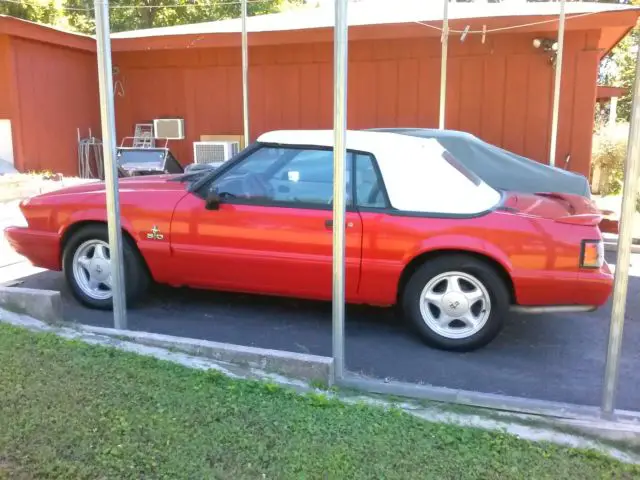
point(125, 15)
point(619, 66)
point(36, 11)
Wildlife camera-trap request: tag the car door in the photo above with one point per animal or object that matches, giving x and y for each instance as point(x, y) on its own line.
point(271, 232)
point(384, 244)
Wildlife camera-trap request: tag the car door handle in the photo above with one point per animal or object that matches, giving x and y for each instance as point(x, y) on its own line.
point(329, 224)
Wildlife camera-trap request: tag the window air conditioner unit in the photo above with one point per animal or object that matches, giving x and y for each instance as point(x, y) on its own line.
point(215, 153)
point(169, 128)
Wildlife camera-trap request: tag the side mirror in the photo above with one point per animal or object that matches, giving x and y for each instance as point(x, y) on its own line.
point(213, 201)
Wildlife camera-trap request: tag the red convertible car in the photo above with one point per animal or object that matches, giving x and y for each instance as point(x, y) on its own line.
point(422, 232)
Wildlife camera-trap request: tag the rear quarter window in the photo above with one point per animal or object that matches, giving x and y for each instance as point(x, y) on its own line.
point(455, 163)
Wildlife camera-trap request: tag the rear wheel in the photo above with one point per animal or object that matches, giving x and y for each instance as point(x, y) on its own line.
point(456, 303)
point(87, 268)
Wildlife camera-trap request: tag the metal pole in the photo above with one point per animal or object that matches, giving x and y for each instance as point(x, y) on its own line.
point(339, 184)
point(245, 75)
point(443, 64)
point(107, 117)
point(557, 87)
point(621, 281)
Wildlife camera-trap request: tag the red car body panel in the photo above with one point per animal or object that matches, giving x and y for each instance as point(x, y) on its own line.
point(282, 251)
point(40, 247)
point(288, 251)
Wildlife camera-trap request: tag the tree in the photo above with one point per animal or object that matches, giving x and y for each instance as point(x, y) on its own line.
point(619, 66)
point(78, 15)
point(41, 12)
point(138, 14)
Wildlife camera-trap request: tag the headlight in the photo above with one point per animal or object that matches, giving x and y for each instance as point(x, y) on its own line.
point(592, 254)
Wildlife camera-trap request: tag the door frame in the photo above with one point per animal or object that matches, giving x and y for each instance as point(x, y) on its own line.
point(5, 126)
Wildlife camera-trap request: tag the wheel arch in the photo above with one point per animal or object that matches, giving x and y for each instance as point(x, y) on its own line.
point(72, 229)
point(420, 259)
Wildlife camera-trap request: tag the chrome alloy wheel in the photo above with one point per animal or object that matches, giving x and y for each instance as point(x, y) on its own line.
point(92, 269)
point(455, 305)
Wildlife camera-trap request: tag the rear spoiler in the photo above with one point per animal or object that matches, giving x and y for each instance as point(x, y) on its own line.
point(583, 211)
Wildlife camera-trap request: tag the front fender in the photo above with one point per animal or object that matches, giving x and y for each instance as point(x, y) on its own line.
point(156, 252)
point(91, 215)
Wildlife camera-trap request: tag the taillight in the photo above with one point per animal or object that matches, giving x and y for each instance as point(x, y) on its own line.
point(592, 254)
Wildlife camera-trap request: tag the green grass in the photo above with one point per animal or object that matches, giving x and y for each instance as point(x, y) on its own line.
point(69, 410)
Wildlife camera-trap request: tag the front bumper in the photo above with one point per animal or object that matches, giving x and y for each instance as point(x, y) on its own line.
point(42, 249)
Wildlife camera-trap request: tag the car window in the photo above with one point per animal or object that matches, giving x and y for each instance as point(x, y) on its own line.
point(280, 176)
point(455, 163)
point(259, 161)
point(369, 188)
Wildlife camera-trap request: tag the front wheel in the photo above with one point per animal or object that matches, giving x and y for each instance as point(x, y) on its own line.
point(87, 268)
point(456, 303)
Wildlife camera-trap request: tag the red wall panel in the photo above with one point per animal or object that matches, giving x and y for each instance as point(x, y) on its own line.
point(471, 89)
point(58, 93)
point(515, 103)
point(5, 77)
point(408, 88)
point(493, 99)
point(540, 87)
point(584, 98)
point(500, 90)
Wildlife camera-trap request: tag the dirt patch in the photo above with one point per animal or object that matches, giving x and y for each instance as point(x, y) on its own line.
point(9, 470)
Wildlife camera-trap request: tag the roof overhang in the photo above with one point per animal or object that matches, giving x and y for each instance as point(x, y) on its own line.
point(614, 26)
point(15, 27)
point(606, 92)
point(370, 20)
point(367, 22)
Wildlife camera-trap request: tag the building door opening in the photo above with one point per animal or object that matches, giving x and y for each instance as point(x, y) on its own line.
point(6, 147)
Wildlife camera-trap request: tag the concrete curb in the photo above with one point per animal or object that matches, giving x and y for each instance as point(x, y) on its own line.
point(611, 246)
point(296, 365)
point(45, 305)
point(610, 241)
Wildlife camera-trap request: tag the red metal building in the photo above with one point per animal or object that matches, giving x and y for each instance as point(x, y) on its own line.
point(499, 85)
point(48, 89)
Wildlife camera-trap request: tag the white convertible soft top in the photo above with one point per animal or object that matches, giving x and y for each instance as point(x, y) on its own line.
point(416, 175)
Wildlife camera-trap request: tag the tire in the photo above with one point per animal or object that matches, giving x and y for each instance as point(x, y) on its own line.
point(137, 278)
point(436, 279)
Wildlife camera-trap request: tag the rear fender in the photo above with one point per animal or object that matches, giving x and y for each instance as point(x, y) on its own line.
point(461, 243)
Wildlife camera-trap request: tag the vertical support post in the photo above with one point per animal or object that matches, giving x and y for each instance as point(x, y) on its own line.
point(557, 87)
point(339, 182)
point(621, 281)
point(444, 39)
point(245, 75)
point(613, 112)
point(107, 118)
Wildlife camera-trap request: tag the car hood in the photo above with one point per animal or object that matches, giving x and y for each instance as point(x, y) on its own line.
point(130, 184)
